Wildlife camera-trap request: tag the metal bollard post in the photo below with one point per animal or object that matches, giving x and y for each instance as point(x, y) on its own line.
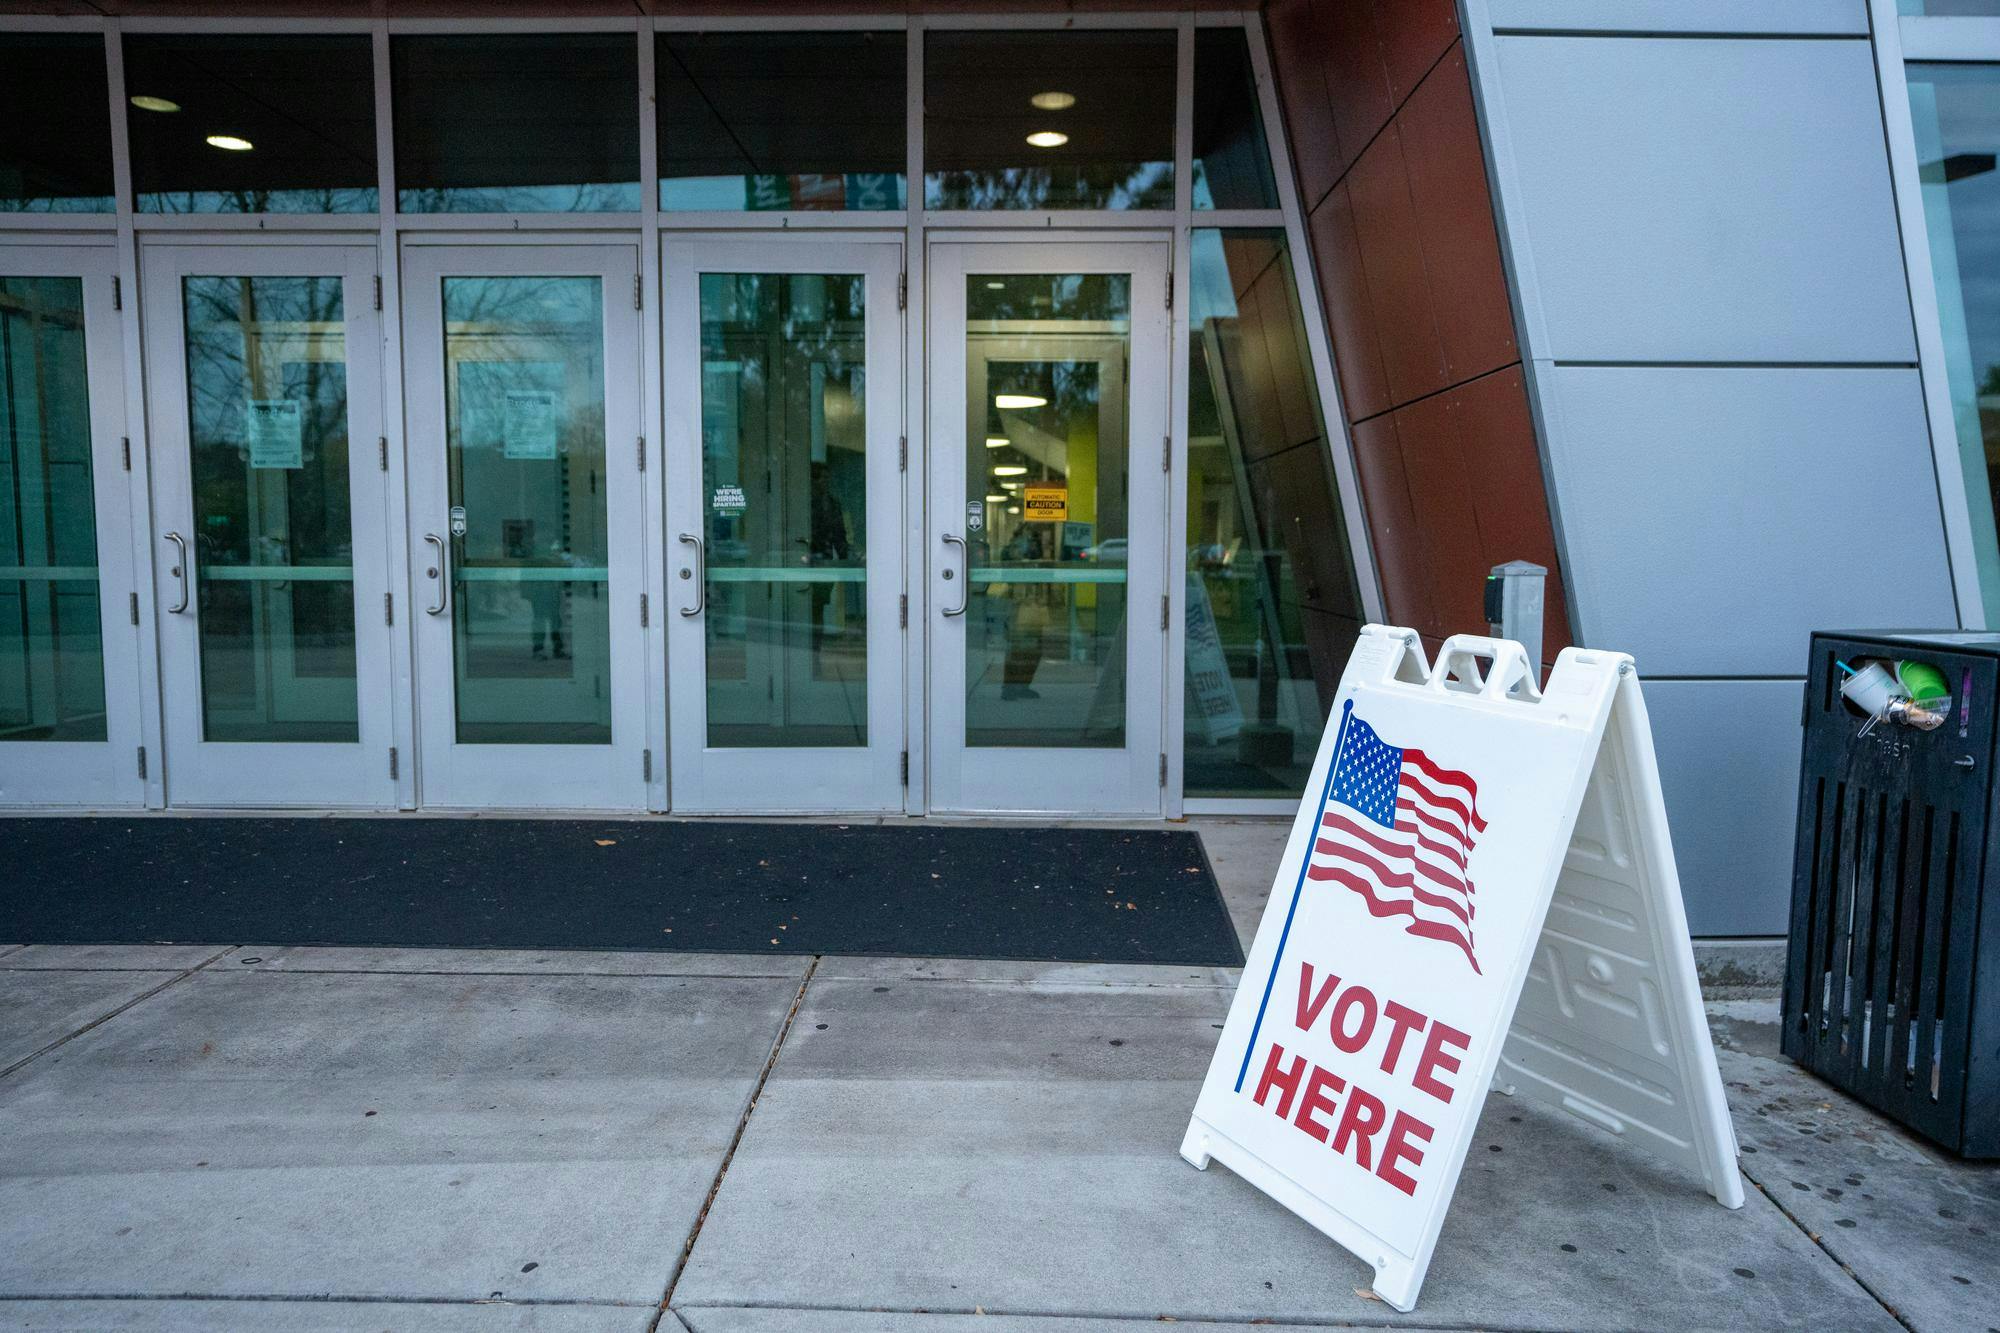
point(1514, 606)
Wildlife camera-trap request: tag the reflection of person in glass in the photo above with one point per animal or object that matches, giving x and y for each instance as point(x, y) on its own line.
point(828, 544)
point(1030, 610)
point(544, 598)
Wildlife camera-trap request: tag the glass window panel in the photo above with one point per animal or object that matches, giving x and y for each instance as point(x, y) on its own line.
point(273, 539)
point(305, 105)
point(55, 124)
point(1272, 604)
point(1232, 161)
point(1938, 8)
point(1100, 105)
point(524, 416)
point(784, 490)
point(511, 123)
point(766, 120)
point(1955, 112)
point(1047, 472)
point(51, 635)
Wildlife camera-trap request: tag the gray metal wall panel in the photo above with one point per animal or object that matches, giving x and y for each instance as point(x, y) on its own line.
point(1688, 199)
point(1849, 17)
point(1715, 517)
point(1729, 764)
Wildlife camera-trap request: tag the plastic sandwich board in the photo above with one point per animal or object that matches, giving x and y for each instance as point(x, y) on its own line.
point(1478, 892)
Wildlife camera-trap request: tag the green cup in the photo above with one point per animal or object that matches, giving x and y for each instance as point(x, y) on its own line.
point(1922, 680)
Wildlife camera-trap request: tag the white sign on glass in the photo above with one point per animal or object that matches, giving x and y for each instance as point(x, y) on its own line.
point(528, 423)
point(275, 429)
point(1479, 892)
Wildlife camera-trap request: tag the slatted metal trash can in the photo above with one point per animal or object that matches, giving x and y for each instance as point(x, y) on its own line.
point(1892, 983)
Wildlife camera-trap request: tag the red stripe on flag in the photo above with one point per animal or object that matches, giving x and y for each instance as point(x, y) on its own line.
point(1391, 879)
point(1379, 908)
point(1447, 775)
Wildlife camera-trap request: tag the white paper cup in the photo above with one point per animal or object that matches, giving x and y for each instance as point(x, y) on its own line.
point(1872, 690)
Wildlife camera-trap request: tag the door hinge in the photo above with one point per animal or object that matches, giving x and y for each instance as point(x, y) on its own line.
point(388, 608)
point(645, 611)
point(392, 763)
point(642, 453)
point(135, 607)
point(118, 303)
point(125, 450)
point(638, 291)
point(1166, 453)
point(906, 768)
point(645, 765)
point(1170, 289)
point(382, 451)
point(902, 453)
point(1163, 770)
point(1163, 612)
point(903, 290)
point(142, 763)
point(902, 612)
point(378, 291)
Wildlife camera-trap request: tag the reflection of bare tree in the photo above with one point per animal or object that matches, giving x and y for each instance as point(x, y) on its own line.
point(357, 200)
point(589, 197)
point(1057, 186)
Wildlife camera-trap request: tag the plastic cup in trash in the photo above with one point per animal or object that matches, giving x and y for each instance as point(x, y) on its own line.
point(1871, 689)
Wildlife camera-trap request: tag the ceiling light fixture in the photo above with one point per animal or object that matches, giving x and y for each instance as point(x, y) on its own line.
point(1052, 101)
point(230, 143)
point(996, 286)
point(1009, 470)
point(1013, 509)
point(996, 442)
point(145, 103)
point(1048, 139)
point(996, 499)
point(1015, 402)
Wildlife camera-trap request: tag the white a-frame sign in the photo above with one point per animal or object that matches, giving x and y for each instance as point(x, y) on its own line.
point(1479, 892)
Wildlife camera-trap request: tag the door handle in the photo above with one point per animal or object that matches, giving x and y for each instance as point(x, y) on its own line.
point(965, 573)
point(441, 571)
point(180, 571)
point(700, 575)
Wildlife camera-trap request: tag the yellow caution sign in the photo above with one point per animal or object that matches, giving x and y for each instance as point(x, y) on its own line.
point(1044, 503)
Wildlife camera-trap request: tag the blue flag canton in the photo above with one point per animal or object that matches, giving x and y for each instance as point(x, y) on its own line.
point(1367, 774)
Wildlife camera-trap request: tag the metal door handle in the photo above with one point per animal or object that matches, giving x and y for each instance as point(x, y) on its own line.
point(965, 572)
point(180, 571)
point(700, 575)
point(442, 573)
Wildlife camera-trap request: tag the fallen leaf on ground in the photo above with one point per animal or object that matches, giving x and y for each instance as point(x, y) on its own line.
point(1366, 1294)
point(605, 842)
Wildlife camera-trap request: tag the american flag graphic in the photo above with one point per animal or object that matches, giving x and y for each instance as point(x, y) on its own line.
point(1398, 829)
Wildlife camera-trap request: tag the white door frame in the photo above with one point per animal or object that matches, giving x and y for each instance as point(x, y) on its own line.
point(819, 779)
point(1074, 781)
point(85, 774)
point(518, 776)
point(198, 771)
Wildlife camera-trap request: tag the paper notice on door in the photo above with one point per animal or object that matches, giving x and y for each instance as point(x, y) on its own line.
point(276, 432)
point(528, 424)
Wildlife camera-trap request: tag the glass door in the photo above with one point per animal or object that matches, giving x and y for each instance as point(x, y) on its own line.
point(69, 669)
point(523, 372)
point(784, 410)
point(1048, 525)
point(269, 510)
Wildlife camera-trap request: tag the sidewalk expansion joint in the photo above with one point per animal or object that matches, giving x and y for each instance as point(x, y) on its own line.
point(1828, 1251)
point(101, 1019)
point(729, 1154)
point(1316, 1322)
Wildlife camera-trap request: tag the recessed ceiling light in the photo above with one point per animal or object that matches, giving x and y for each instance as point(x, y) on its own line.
point(996, 286)
point(1048, 139)
point(230, 142)
point(1013, 509)
point(1018, 401)
point(1052, 101)
point(1010, 485)
point(1009, 470)
point(155, 104)
point(996, 442)
point(997, 499)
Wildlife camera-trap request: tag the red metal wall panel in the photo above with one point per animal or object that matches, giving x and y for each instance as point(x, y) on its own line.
point(1408, 260)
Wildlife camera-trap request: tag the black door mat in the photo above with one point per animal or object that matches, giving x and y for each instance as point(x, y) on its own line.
point(1019, 892)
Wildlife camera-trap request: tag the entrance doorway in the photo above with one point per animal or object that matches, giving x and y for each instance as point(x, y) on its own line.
point(1047, 525)
point(265, 376)
point(784, 408)
point(526, 542)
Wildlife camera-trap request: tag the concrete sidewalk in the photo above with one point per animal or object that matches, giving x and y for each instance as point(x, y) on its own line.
point(336, 1139)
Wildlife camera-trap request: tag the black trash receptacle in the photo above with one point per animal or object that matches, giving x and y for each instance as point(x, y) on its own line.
point(1892, 982)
